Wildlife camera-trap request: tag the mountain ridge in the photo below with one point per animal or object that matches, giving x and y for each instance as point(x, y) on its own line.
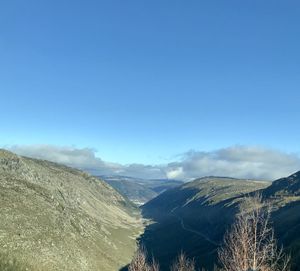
point(195, 216)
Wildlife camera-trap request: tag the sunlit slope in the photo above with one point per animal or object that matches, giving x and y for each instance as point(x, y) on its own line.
point(58, 218)
point(203, 191)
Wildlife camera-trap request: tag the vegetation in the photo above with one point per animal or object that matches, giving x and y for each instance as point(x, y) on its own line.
point(58, 218)
point(284, 197)
point(8, 263)
point(194, 218)
point(250, 244)
point(182, 263)
point(140, 261)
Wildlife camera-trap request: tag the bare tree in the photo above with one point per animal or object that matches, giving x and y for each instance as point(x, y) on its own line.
point(250, 244)
point(154, 265)
point(182, 263)
point(140, 262)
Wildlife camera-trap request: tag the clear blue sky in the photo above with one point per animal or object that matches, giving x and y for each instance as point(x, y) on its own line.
point(142, 81)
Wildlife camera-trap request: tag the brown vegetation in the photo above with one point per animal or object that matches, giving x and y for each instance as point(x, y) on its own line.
point(250, 244)
point(140, 261)
point(182, 263)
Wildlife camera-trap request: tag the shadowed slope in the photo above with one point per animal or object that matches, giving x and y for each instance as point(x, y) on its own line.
point(193, 218)
point(284, 194)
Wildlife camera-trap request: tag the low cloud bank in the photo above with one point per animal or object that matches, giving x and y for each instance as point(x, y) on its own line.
point(236, 161)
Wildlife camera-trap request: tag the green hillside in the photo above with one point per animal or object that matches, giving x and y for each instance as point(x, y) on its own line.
point(204, 191)
point(193, 218)
point(58, 218)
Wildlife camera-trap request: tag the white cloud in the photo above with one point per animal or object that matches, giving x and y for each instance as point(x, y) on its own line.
point(174, 173)
point(235, 161)
point(86, 159)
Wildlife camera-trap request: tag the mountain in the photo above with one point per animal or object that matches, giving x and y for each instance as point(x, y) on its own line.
point(161, 185)
point(285, 187)
point(58, 218)
point(285, 197)
point(139, 190)
point(194, 217)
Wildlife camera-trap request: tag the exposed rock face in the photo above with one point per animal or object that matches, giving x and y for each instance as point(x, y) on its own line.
point(58, 218)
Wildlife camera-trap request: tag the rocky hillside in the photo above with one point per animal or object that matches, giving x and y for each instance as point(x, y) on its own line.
point(58, 218)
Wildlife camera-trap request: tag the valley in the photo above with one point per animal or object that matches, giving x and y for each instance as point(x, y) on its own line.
point(139, 190)
point(55, 217)
point(193, 218)
point(149, 135)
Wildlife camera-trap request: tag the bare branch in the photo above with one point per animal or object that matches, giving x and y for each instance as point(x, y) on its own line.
point(140, 261)
point(182, 263)
point(250, 244)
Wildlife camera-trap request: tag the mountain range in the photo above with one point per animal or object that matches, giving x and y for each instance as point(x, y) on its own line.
point(55, 217)
point(195, 216)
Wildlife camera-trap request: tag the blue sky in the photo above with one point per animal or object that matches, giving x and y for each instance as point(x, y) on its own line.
point(143, 81)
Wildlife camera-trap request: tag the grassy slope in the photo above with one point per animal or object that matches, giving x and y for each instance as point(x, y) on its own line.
point(193, 218)
point(58, 218)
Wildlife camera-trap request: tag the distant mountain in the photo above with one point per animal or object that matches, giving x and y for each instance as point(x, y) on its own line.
point(137, 193)
point(194, 217)
point(161, 185)
point(138, 190)
point(58, 218)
